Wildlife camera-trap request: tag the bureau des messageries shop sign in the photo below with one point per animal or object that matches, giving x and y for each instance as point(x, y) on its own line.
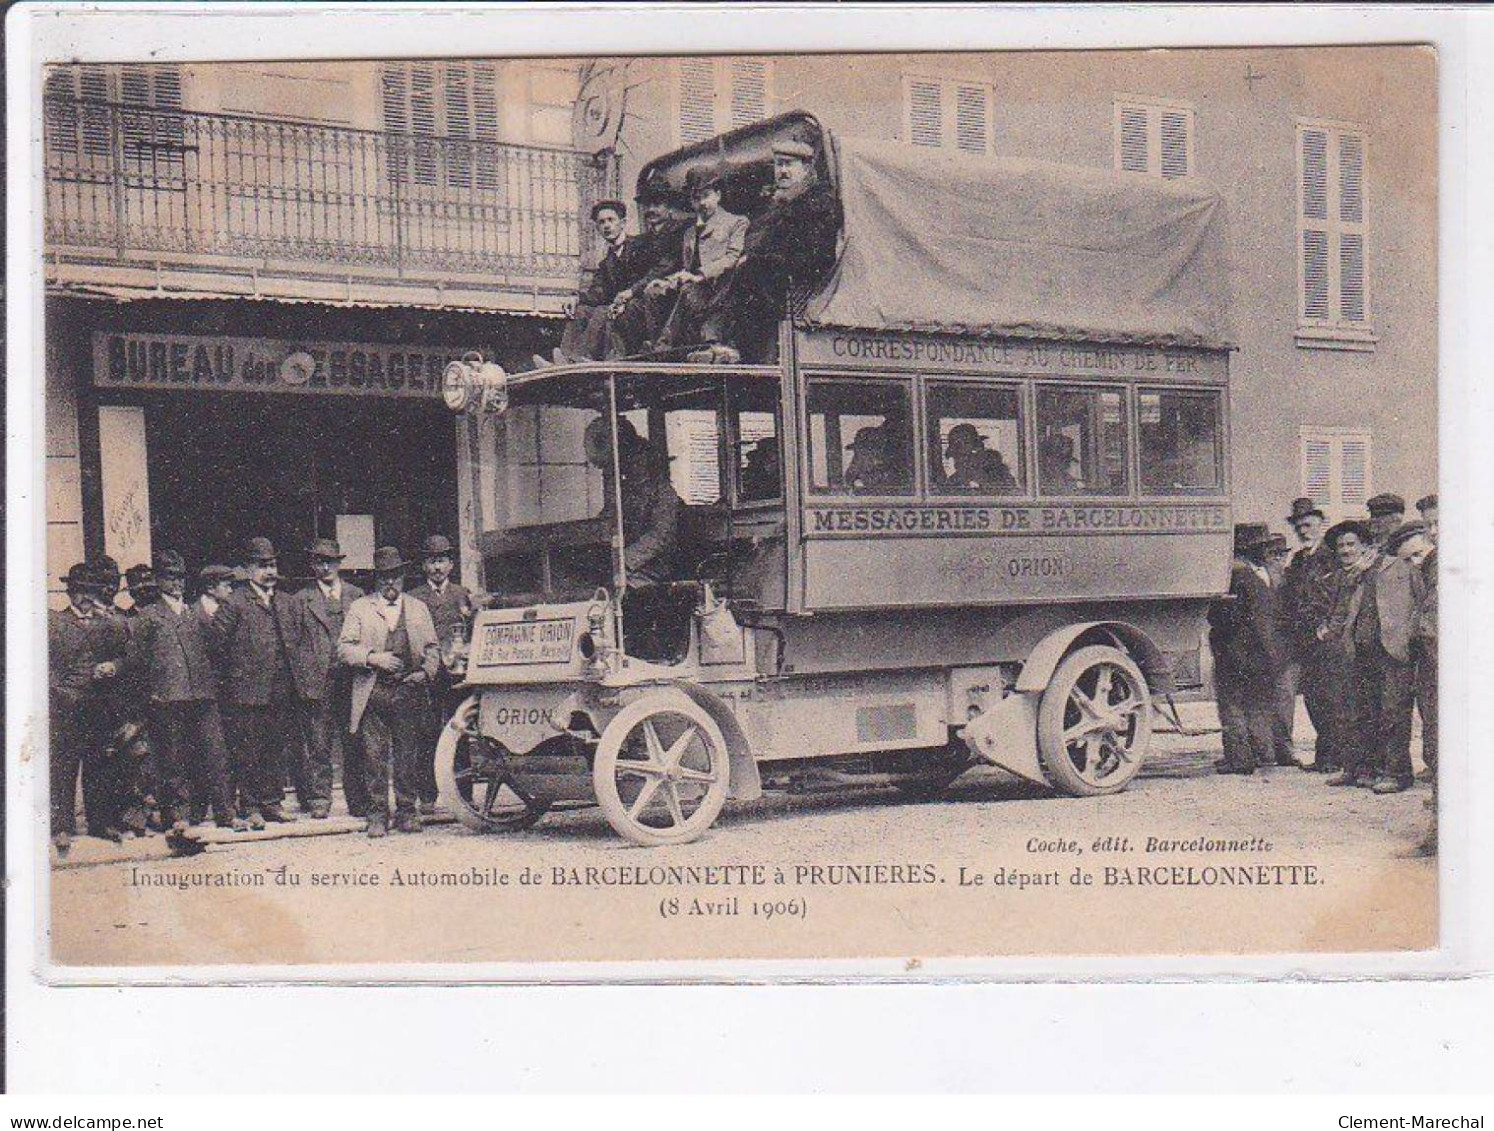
point(257, 365)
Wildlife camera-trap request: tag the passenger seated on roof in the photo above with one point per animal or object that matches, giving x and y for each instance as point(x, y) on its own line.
point(710, 248)
point(636, 316)
point(875, 467)
point(791, 243)
point(976, 467)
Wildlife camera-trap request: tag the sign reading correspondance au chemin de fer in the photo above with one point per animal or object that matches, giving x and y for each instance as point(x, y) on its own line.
point(258, 365)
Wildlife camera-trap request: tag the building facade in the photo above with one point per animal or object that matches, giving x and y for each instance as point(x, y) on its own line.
point(256, 275)
point(1326, 160)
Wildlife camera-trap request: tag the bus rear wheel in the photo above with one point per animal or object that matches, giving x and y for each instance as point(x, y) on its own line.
point(1094, 722)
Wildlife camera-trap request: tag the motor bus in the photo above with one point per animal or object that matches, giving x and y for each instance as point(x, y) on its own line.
point(1039, 357)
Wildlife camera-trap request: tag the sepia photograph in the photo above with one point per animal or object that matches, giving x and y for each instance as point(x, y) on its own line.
point(724, 508)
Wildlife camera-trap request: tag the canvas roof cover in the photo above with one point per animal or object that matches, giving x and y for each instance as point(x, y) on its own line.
point(974, 245)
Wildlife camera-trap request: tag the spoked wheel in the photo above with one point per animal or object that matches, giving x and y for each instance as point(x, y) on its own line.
point(661, 770)
point(472, 773)
point(1095, 722)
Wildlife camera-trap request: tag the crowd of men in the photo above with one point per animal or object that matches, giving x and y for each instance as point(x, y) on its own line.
point(1349, 621)
point(177, 710)
point(698, 278)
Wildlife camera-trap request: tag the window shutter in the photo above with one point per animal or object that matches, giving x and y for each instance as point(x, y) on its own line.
point(1351, 277)
point(972, 113)
point(1315, 274)
point(1354, 474)
point(61, 113)
point(1133, 139)
point(423, 120)
point(1351, 179)
point(396, 100)
point(1315, 174)
point(925, 113)
point(458, 124)
point(485, 123)
point(94, 87)
point(749, 91)
point(1176, 160)
point(697, 79)
point(1317, 471)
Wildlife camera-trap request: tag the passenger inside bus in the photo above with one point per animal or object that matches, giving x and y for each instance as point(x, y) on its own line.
point(860, 438)
point(1081, 442)
point(976, 467)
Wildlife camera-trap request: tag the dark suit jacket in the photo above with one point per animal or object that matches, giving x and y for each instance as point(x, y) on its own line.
point(313, 645)
point(794, 239)
point(614, 273)
point(658, 253)
point(252, 644)
point(449, 609)
point(1307, 597)
point(170, 655)
point(73, 648)
point(1244, 632)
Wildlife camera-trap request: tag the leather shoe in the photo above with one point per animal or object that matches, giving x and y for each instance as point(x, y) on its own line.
point(408, 823)
point(377, 827)
point(256, 820)
point(1343, 777)
point(320, 809)
point(1389, 784)
point(1241, 771)
point(276, 815)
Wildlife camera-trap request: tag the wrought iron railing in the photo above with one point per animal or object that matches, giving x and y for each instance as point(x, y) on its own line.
point(123, 179)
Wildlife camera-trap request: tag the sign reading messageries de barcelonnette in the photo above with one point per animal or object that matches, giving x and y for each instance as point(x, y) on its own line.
point(258, 365)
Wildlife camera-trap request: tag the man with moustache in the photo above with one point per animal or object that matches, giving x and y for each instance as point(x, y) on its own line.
point(1245, 641)
point(389, 642)
point(711, 247)
point(169, 648)
point(1307, 601)
point(636, 316)
point(322, 685)
point(450, 606)
point(1382, 644)
point(1351, 728)
point(252, 631)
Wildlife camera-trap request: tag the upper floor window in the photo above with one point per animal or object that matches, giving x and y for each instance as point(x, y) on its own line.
point(1336, 469)
point(1154, 136)
point(144, 98)
point(422, 101)
point(1332, 264)
point(947, 113)
point(716, 95)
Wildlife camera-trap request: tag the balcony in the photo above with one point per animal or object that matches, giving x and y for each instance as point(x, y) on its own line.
point(144, 202)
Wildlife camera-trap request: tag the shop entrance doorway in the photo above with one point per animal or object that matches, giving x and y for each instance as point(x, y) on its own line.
point(226, 467)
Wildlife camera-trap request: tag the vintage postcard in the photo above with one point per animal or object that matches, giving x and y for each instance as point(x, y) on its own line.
point(718, 508)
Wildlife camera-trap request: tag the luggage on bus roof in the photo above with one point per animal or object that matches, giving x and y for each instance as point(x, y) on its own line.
point(947, 242)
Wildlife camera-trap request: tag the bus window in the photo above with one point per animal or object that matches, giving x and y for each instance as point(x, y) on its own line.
point(975, 439)
point(1180, 442)
point(754, 409)
point(546, 477)
point(860, 437)
point(1081, 441)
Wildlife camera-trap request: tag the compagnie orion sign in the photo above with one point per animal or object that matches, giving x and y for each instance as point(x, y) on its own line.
point(258, 365)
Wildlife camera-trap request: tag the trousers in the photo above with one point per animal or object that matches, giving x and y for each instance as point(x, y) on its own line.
point(1248, 718)
point(390, 734)
point(191, 759)
point(318, 720)
point(1322, 673)
point(1384, 696)
point(260, 739)
point(79, 730)
point(1424, 656)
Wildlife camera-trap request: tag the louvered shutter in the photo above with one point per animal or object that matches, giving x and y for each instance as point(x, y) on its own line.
point(697, 79)
point(1317, 471)
point(423, 121)
point(1331, 212)
point(925, 113)
point(1134, 145)
point(1314, 174)
point(1354, 474)
point(61, 126)
point(1315, 274)
point(93, 85)
point(485, 123)
point(1176, 158)
point(749, 91)
point(458, 124)
point(1336, 470)
point(972, 118)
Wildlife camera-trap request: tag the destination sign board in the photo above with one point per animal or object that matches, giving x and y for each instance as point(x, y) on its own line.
point(883, 521)
point(1009, 356)
point(524, 642)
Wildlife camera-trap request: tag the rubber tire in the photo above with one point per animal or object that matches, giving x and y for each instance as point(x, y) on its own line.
point(446, 783)
point(604, 780)
point(1051, 752)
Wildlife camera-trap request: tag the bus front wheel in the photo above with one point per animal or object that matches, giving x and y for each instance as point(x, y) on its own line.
point(1094, 722)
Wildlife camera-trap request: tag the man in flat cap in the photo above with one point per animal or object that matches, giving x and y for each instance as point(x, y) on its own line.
point(1386, 512)
point(710, 248)
point(322, 685)
point(389, 642)
point(1381, 630)
point(169, 647)
point(1352, 547)
point(1412, 543)
point(78, 669)
point(252, 631)
point(1427, 506)
point(585, 335)
point(1245, 641)
point(451, 607)
point(790, 245)
point(638, 317)
point(214, 584)
point(1306, 602)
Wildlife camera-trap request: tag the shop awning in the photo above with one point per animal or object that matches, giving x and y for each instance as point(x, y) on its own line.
point(973, 245)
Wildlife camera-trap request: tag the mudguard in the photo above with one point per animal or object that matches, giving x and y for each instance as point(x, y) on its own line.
point(1043, 661)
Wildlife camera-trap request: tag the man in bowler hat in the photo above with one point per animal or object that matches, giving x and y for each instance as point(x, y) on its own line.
point(1306, 602)
point(322, 685)
point(252, 631)
point(1244, 638)
point(636, 316)
point(389, 642)
point(450, 606)
point(78, 669)
point(710, 248)
point(169, 647)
